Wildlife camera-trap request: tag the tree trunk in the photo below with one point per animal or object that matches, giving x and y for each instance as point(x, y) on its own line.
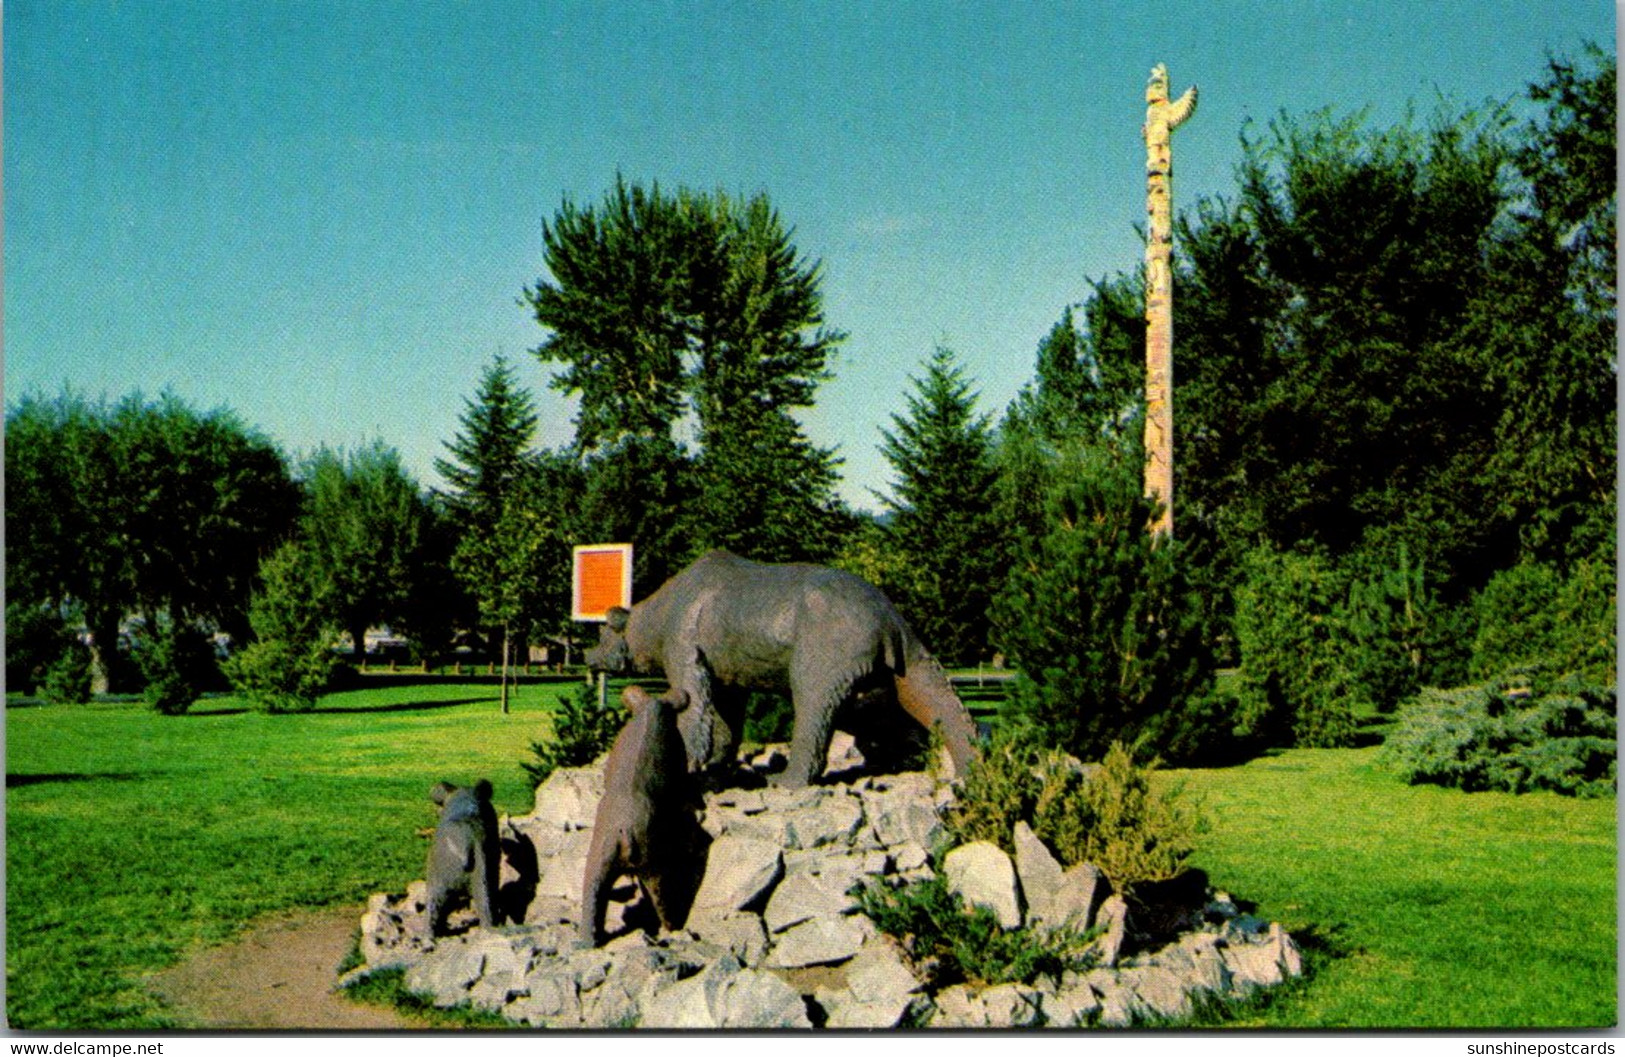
point(506, 638)
point(104, 658)
point(358, 636)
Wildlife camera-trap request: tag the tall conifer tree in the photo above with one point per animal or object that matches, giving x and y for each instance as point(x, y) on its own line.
point(942, 516)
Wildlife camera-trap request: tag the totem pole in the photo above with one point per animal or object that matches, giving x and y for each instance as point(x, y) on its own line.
point(1161, 118)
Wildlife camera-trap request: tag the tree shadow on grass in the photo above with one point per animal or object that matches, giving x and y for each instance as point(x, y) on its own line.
point(405, 706)
point(17, 781)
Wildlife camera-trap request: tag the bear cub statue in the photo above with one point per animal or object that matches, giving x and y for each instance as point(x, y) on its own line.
point(466, 855)
point(645, 823)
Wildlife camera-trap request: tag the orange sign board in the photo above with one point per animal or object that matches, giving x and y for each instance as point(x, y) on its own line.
point(601, 580)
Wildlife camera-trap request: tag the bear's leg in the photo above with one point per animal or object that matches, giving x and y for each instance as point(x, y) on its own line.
point(447, 872)
point(655, 884)
point(435, 913)
point(706, 736)
point(482, 886)
point(815, 696)
point(602, 855)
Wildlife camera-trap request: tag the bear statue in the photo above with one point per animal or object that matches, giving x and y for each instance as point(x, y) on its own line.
point(466, 854)
point(727, 625)
point(645, 823)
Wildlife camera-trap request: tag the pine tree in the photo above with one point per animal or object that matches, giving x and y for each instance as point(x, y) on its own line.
point(489, 453)
point(507, 525)
point(1102, 620)
point(941, 502)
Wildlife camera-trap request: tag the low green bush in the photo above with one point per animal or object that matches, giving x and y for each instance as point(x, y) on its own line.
point(67, 679)
point(953, 943)
point(290, 663)
point(582, 731)
point(1108, 814)
point(997, 791)
point(274, 675)
point(178, 664)
point(1534, 616)
point(1514, 734)
point(1117, 821)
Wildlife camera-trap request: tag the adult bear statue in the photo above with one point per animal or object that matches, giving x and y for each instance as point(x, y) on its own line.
point(728, 624)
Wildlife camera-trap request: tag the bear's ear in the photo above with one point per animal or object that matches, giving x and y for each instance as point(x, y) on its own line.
point(617, 618)
point(482, 790)
point(677, 697)
point(440, 791)
point(636, 699)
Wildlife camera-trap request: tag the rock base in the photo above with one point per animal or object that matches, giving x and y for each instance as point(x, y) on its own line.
point(774, 941)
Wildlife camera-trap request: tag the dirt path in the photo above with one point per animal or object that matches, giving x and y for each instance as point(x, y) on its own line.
point(278, 976)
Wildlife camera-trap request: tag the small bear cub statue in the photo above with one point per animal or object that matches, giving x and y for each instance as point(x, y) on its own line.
point(466, 855)
point(645, 817)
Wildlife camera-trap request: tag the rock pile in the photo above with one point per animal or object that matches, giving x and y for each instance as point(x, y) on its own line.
point(773, 939)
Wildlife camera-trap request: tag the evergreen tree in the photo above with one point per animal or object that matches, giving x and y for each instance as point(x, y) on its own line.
point(765, 492)
point(290, 660)
point(489, 453)
point(514, 510)
point(1102, 620)
point(516, 569)
point(943, 522)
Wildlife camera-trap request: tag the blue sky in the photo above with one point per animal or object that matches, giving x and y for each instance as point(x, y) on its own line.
point(323, 214)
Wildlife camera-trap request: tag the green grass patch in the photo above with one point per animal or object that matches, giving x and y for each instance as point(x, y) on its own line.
point(132, 837)
point(1419, 907)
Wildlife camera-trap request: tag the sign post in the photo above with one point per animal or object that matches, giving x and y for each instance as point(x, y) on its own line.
point(600, 580)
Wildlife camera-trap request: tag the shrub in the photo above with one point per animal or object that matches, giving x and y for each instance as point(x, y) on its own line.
point(952, 942)
point(1384, 628)
point(66, 681)
point(1514, 734)
point(1133, 832)
point(290, 663)
point(178, 664)
point(582, 732)
point(1107, 814)
point(36, 639)
point(1296, 685)
point(1101, 618)
point(997, 791)
point(1531, 616)
point(769, 717)
point(276, 676)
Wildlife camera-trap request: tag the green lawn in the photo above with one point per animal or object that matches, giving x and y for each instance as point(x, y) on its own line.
point(1419, 906)
point(132, 837)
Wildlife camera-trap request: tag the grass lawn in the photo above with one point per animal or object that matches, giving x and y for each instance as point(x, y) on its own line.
point(1419, 906)
point(132, 837)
